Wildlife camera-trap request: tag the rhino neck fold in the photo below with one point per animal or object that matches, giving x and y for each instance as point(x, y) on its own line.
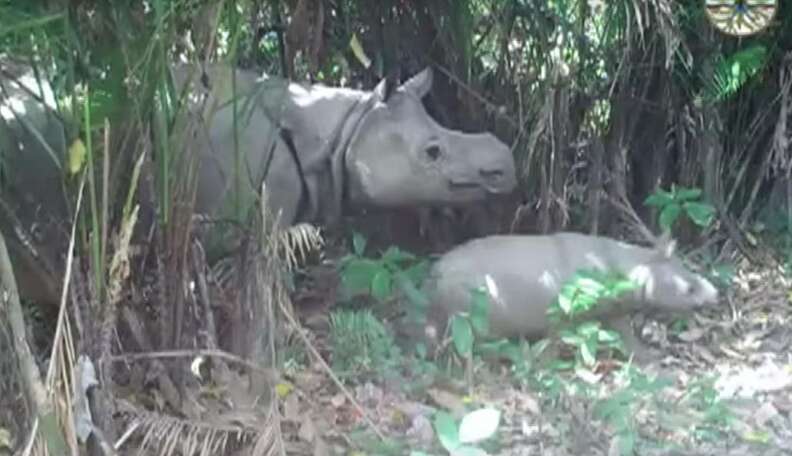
point(323, 173)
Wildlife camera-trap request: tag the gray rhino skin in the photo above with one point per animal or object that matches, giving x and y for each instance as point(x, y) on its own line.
point(523, 274)
point(352, 149)
point(348, 149)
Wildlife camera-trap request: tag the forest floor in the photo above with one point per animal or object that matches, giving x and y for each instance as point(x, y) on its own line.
point(720, 386)
point(723, 386)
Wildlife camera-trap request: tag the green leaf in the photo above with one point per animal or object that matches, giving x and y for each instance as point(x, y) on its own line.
point(479, 312)
point(358, 243)
point(479, 425)
point(588, 351)
point(357, 274)
point(565, 303)
point(381, 284)
point(571, 339)
point(462, 335)
point(702, 214)
point(684, 193)
point(415, 296)
point(446, 430)
point(607, 336)
point(669, 215)
point(660, 198)
point(588, 329)
point(622, 286)
point(396, 255)
point(627, 442)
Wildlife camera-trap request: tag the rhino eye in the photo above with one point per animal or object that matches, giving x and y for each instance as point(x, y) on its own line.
point(433, 152)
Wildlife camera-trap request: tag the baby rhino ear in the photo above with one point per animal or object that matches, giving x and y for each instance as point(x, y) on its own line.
point(666, 246)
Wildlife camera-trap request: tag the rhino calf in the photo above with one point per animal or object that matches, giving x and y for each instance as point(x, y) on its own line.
point(523, 274)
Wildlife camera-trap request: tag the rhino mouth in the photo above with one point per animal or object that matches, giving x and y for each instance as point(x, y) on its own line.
point(463, 185)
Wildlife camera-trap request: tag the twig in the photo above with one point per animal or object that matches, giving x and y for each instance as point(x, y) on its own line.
point(217, 353)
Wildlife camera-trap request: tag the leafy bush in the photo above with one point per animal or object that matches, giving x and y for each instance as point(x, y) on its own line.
point(377, 276)
point(361, 344)
point(578, 297)
point(678, 201)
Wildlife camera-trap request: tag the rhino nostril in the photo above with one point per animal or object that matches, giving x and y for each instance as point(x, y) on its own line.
point(491, 173)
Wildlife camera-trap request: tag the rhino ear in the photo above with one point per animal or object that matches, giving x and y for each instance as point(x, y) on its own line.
point(666, 246)
point(420, 83)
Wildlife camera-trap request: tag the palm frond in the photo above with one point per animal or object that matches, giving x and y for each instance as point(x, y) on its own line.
point(733, 72)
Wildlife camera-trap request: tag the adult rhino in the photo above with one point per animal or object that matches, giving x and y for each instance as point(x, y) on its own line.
point(320, 150)
point(323, 150)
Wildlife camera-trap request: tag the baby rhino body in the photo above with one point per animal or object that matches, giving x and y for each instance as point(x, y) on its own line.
point(523, 274)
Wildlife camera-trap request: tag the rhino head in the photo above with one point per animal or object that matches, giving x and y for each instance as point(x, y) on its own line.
point(667, 284)
point(402, 157)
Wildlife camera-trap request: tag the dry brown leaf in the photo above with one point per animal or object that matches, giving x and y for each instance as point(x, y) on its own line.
point(448, 401)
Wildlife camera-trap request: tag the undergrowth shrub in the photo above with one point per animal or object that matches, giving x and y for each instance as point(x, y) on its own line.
point(362, 345)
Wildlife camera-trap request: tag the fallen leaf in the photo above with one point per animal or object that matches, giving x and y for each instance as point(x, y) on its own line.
point(283, 388)
point(479, 425)
point(448, 401)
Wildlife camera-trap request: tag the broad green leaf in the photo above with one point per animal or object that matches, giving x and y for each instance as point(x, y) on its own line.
point(684, 194)
point(479, 425)
point(588, 350)
point(607, 335)
point(381, 284)
point(462, 335)
point(588, 329)
point(701, 214)
point(479, 312)
point(418, 271)
point(669, 215)
point(446, 430)
point(396, 255)
point(660, 198)
point(623, 286)
point(571, 339)
point(565, 304)
point(415, 296)
point(590, 286)
point(357, 275)
point(358, 243)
